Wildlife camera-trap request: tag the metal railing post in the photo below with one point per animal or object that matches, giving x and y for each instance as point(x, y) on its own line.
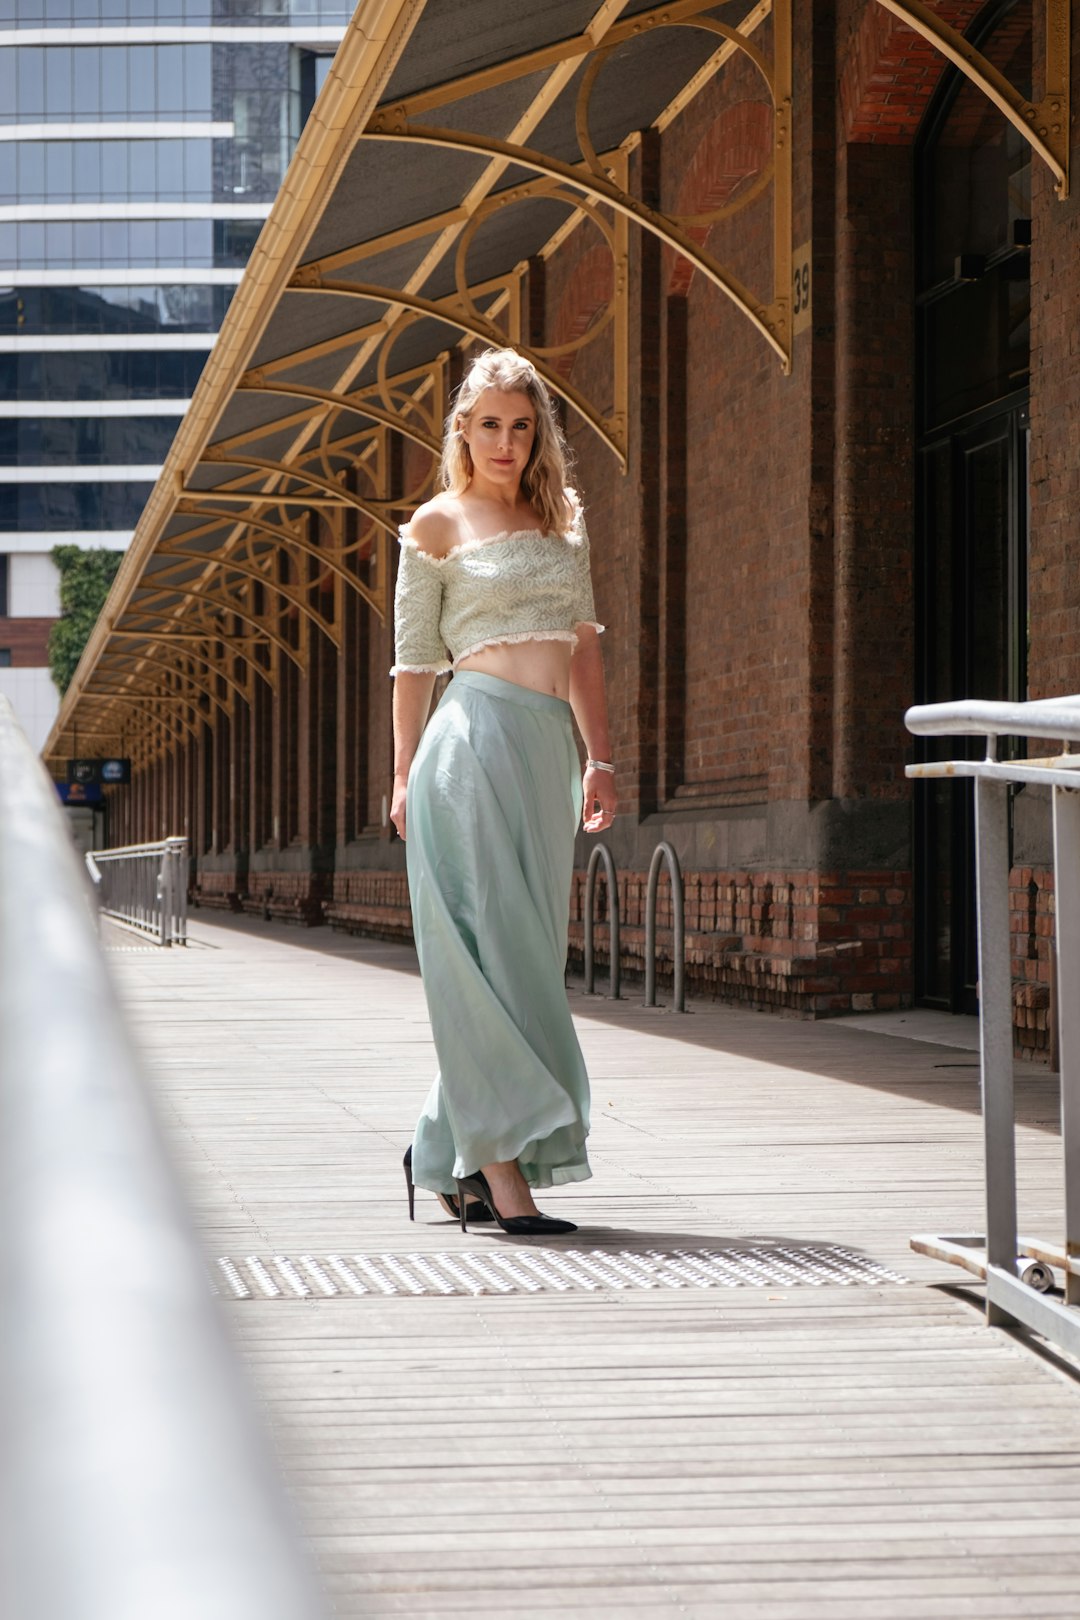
point(145, 886)
point(135, 1478)
point(180, 885)
point(1067, 929)
point(995, 1025)
point(664, 852)
point(602, 853)
point(1010, 1296)
point(164, 897)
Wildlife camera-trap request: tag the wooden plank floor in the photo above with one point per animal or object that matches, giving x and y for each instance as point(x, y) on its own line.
point(789, 1453)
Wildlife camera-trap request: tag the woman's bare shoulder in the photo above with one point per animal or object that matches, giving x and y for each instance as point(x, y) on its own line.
point(436, 526)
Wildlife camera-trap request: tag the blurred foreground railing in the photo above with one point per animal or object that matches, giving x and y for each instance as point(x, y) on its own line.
point(145, 886)
point(134, 1478)
point(995, 1258)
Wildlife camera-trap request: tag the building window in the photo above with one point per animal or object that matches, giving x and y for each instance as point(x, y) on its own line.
point(191, 307)
point(312, 69)
point(5, 657)
point(4, 571)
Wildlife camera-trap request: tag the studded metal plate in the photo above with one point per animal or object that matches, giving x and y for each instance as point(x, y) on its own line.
point(546, 1271)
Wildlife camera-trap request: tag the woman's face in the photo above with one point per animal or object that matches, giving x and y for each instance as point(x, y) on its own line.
point(499, 432)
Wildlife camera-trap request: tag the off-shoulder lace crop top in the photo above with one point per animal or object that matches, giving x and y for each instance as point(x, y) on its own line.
point(521, 586)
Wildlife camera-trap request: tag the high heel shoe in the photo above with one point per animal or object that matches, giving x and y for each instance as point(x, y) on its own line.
point(519, 1225)
point(447, 1200)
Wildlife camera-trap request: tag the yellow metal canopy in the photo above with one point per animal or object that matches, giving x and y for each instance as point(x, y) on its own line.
point(454, 148)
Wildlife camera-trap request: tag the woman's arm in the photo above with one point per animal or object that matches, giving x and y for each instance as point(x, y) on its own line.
point(412, 705)
point(589, 703)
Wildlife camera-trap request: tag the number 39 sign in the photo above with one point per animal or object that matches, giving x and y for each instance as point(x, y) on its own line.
point(800, 289)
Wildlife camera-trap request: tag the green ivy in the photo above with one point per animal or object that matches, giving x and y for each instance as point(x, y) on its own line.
point(85, 578)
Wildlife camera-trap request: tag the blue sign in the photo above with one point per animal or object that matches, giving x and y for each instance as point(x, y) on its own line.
point(79, 792)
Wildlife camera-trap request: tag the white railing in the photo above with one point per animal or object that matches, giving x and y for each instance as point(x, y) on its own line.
point(145, 886)
point(135, 1479)
point(1008, 1298)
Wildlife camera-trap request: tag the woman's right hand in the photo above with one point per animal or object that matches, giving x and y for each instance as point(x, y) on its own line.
point(397, 804)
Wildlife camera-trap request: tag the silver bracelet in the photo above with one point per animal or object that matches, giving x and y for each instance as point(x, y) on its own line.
point(599, 765)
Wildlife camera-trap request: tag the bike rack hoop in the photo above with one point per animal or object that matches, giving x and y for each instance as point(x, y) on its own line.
point(602, 853)
point(664, 852)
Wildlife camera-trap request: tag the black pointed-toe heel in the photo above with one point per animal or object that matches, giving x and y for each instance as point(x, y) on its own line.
point(447, 1200)
point(476, 1186)
point(407, 1163)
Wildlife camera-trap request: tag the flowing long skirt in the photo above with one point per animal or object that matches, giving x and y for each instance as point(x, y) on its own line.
point(493, 806)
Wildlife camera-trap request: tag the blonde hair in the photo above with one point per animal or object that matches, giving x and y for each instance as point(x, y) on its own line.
point(547, 472)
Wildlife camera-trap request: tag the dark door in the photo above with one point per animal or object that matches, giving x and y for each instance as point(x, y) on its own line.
point(973, 305)
point(972, 643)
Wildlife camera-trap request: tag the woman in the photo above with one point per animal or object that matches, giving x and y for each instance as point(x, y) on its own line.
point(496, 569)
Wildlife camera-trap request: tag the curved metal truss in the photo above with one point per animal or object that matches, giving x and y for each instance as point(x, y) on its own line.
point(248, 527)
point(152, 654)
point(1044, 125)
point(181, 728)
point(335, 552)
point(203, 626)
point(222, 602)
point(259, 566)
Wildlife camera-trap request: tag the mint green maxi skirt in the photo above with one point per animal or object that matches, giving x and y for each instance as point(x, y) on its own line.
point(493, 806)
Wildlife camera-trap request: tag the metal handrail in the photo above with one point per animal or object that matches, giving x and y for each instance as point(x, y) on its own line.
point(1008, 1298)
point(602, 853)
point(134, 1475)
point(145, 886)
point(664, 852)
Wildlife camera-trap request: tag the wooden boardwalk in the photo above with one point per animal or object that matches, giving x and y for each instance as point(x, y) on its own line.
point(782, 1451)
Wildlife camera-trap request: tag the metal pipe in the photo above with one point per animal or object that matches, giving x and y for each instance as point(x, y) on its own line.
point(1048, 717)
point(1008, 1299)
point(145, 886)
point(1065, 1010)
point(664, 852)
point(602, 853)
point(134, 1477)
point(995, 1025)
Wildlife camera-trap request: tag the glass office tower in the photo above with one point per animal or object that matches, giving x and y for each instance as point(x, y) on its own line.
point(141, 145)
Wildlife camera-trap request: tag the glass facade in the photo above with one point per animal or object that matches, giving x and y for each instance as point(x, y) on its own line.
point(128, 245)
point(193, 13)
point(255, 95)
point(64, 509)
point(108, 375)
point(139, 244)
point(60, 441)
point(117, 171)
point(77, 83)
point(45, 311)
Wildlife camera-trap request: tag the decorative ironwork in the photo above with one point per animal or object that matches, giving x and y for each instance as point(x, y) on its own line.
point(1045, 125)
point(327, 499)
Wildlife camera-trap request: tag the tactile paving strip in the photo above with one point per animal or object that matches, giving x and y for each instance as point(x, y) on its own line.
point(551, 1271)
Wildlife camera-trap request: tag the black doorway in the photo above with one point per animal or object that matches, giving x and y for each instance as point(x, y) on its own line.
point(971, 547)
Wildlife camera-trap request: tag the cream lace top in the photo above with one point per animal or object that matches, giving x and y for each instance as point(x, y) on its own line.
point(520, 586)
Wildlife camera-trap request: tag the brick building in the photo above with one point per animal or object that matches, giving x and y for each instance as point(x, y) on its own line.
point(813, 313)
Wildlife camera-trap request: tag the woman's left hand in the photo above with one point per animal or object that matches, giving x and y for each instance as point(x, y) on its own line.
point(601, 800)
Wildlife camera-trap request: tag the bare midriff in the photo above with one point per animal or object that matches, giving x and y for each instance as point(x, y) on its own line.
point(543, 666)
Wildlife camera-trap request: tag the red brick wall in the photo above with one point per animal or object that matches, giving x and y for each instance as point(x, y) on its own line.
point(1054, 546)
point(875, 494)
point(816, 943)
point(754, 567)
point(1031, 923)
point(890, 72)
point(622, 512)
point(745, 436)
